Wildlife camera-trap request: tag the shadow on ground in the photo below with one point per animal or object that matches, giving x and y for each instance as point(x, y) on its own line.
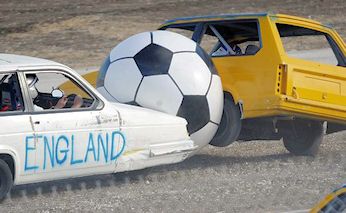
point(199, 161)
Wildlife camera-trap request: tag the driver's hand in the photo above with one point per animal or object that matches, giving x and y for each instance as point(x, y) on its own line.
point(61, 103)
point(78, 102)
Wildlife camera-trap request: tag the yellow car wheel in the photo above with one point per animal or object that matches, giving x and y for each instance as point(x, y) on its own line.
point(333, 202)
point(230, 125)
point(302, 137)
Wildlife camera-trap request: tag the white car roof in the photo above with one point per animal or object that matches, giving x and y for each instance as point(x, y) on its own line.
point(15, 61)
point(11, 62)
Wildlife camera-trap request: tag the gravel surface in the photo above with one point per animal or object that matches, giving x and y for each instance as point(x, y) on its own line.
point(244, 177)
point(81, 34)
point(257, 176)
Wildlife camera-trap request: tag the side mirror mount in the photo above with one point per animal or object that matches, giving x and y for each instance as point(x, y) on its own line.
point(57, 93)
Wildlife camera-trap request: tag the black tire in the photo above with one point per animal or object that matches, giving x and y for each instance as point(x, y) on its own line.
point(6, 179)
point(303, 137)
point(230, 125)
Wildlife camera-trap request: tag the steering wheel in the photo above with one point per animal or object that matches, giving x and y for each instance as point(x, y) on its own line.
point(70, 100)
point(71, 97)
point(237, 50)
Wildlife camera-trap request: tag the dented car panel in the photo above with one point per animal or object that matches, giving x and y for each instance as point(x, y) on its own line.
point(99, 137)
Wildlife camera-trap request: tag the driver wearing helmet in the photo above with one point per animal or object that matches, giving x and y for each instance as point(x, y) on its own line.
point(32, 79)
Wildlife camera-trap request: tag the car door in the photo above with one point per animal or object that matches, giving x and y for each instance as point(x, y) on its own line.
point(73, 140)
point(314, 71)
point(16, 127)
point(239, 49)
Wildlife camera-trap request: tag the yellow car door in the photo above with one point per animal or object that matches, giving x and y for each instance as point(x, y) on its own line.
point(313, 77)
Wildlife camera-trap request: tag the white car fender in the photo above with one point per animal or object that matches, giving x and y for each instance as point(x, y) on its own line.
point(7, 150)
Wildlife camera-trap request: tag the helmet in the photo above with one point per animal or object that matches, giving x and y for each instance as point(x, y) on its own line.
point(31, 80)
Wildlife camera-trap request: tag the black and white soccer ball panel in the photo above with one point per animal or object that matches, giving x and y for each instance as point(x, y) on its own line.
point(204, 135)
point(215, 98)
point(141, 40)
point(153, 60)
point(130, 47)
point(122, 79)
point(159, 92)
point(167, 72)
point(104, 92)
point(190, 73)
point(179, 44)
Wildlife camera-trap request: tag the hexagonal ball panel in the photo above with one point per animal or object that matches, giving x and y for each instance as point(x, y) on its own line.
point(122, 80)
point(102, 72)
point(160, 93)
point(204, 135)
point(173, 41)
point(131, 46)
point(106, 94)
point(133, 103)
point(207, 59)
point(215, 99)
point(153, 60)
point(190, 73)
point(195, 110)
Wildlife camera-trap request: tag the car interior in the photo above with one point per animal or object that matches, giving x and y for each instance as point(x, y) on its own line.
point(238, 38)
point(10, 94)
point(46, 84)
point(233, 38)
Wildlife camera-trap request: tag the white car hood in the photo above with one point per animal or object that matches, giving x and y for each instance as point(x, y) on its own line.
point(139, 116)
point(144, 126)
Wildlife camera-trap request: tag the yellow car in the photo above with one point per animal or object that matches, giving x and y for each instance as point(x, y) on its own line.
point(334, 202)
point(282, 76)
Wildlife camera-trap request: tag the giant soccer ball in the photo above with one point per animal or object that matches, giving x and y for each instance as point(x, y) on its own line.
point(168, 72)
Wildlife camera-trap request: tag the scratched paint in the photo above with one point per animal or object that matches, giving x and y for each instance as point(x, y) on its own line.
point(59, 150)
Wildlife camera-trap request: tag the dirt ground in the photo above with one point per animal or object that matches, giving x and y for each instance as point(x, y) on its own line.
point(258, 176)
point(82, 33)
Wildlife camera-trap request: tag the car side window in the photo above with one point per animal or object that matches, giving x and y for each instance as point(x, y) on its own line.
point(210, 42)
point(307, 44)
point(11, 98)
point(233, 38)
point(54, 91)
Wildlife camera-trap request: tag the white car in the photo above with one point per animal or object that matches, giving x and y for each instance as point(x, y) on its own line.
point(48, 135)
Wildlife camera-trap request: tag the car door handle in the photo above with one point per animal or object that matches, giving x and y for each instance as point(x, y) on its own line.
point(37, 122)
